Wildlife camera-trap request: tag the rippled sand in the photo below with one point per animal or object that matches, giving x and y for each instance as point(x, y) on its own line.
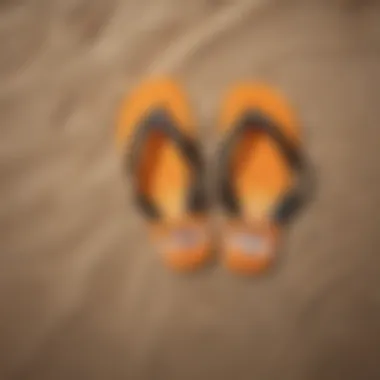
point(82, 294)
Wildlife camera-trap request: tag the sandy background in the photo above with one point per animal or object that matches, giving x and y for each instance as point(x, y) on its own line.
point(82, 294)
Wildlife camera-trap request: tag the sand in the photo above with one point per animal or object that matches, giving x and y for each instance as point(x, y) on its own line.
point(83, 294)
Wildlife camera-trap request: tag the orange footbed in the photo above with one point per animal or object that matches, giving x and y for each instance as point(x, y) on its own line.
point(260, 176)
point(164, 175)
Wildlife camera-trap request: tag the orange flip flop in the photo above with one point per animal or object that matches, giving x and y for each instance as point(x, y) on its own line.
point(156, 133)
point(261, 181)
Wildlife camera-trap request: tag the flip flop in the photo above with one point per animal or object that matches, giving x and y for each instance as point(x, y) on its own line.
point(262, 179)
point(156, 134)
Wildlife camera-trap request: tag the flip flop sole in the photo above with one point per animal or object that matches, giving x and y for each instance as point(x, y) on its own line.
point(260, 176)
point(163, 174)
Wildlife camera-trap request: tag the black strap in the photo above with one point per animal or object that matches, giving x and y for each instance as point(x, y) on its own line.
point(297, 195)
point(160, 120)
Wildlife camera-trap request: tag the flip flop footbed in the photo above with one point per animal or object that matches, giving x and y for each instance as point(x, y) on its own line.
point(162, 173)
point(259, 173)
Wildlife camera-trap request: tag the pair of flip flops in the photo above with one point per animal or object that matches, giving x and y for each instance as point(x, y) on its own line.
point(260, 181)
